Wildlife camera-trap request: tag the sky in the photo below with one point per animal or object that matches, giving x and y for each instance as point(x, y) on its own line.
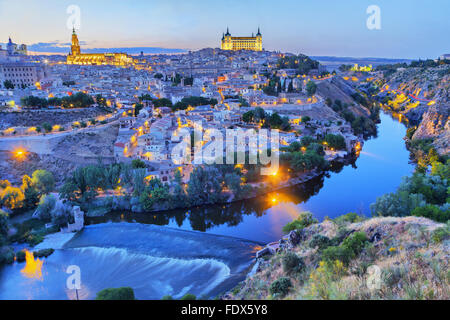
point(409, 28)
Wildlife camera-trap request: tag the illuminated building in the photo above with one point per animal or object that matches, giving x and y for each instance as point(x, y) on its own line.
point(21, 74)
point(361, 68)
point(253, 43)
point(115, 59)
point(15, 49)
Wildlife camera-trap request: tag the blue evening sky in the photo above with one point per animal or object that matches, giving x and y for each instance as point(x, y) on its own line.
point(409, 28)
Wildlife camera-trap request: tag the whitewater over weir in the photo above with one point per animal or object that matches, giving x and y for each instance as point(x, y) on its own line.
point(154, 261)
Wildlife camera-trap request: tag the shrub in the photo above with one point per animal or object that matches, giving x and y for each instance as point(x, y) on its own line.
point(188, 296)
point(340, 253)
point(45, 207)
point(292, 263)
point(441, 234)
point(319, 241)
point(43, 253)
point(355, 242)
point(167, 297)
point(280, 287)
point(3, 227)
point(124, 293)
point(6, 255)
point(304, 220)
point(137, 163)
point(20, 256)
point(432, 212)
point(350, 217)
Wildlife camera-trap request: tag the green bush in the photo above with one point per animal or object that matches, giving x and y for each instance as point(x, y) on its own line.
point(340, 253)
point(304, 220)
point(350, 248)
point(43, 253)
point(432, 212)
point(441, 234)
point(6, 255)
point(20, 256)
point(188, 296)
point(292, 263)
point(350, 217)
point(124, 293)
point(280, 287)
point(356, 242)
point(320, 242)
point(167, 297)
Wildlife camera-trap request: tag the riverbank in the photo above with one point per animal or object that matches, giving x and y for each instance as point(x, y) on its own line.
point(352, 258)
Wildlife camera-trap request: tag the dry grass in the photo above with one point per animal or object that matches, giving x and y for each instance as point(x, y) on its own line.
point(409, 265)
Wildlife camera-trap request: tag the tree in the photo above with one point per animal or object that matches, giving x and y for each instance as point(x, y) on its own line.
point(12, 197)
point(248, 116)
point(43, 181)
point(432, 212)
point(123, 293)
point(138, 183)
point(4, 228)
point(101, 101)
point(82, 184)
point(137, 108)
point(335, 141)
point(8, 84)
point(307, 140)
point(259, 114)
point(137, 163)
point(47, 127)
point(30, 192)
point(290, 87)
point(45, 207)
point(111, 176)
point(155, 192)
point(311, 88)
point(306, 119)
point(178, 197)
point(205, 185)
point(399, 204)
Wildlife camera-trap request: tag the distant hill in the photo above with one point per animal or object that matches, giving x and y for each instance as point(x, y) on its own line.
point(333, 63)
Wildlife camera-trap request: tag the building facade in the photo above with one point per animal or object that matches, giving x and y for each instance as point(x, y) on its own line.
point(115, 59)
point(21, 74)
point(16, 49)
point(253, 43)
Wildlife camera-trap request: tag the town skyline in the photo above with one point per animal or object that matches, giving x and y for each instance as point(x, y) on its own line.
point(200, 25)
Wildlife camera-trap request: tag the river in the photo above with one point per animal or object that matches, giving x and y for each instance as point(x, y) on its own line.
point(207, 250)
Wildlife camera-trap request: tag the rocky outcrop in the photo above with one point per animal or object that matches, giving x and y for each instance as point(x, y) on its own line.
point(435, 124)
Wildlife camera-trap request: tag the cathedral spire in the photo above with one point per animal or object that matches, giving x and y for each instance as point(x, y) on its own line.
point(259, 32)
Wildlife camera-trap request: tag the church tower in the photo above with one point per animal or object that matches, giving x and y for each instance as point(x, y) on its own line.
point(258, 44)
point(75, 48)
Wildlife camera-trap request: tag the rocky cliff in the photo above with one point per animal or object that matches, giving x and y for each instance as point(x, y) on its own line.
point(435, 124)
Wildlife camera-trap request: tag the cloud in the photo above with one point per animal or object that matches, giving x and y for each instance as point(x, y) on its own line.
point(64, 47)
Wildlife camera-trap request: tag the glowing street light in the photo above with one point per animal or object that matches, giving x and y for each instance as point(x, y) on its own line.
point(19, 154)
